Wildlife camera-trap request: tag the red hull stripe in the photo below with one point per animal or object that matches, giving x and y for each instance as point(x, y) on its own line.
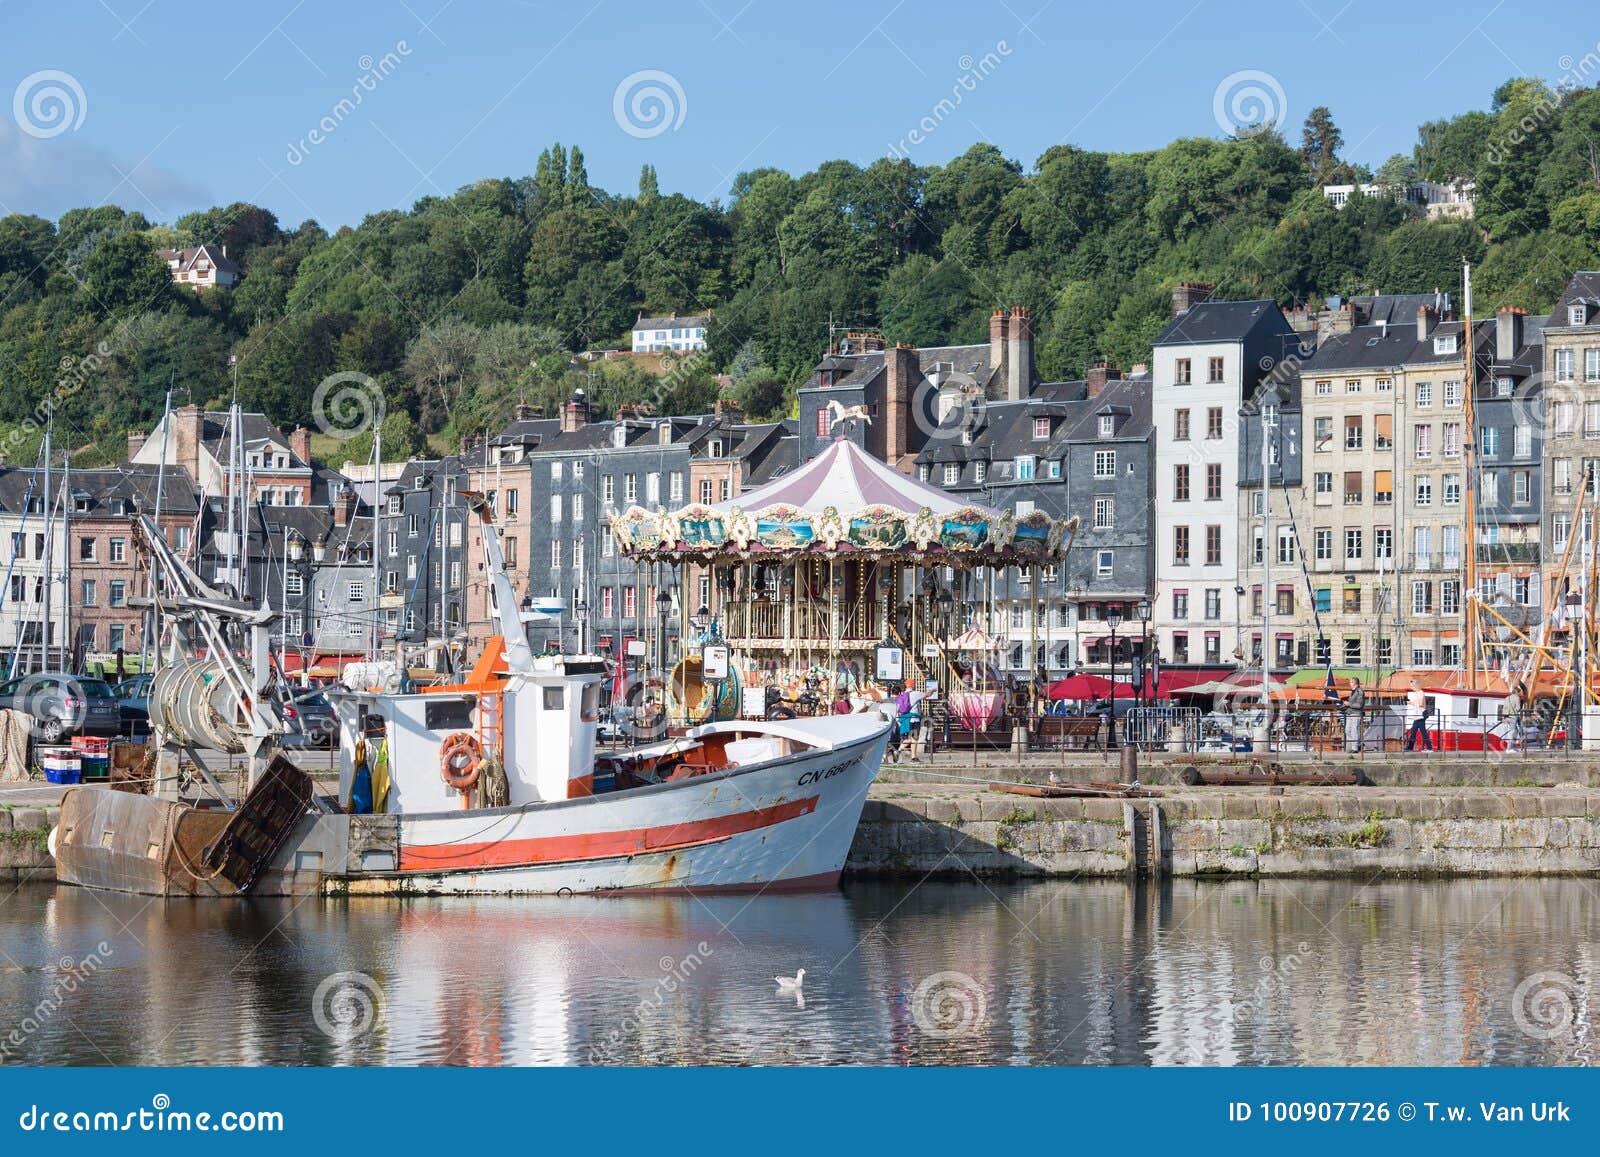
point(595, 845)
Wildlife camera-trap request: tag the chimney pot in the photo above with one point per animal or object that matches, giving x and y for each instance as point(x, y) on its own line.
point(1427, 318)
point(1187, 294)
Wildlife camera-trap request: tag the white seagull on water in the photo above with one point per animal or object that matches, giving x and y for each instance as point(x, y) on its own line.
point(791, 983)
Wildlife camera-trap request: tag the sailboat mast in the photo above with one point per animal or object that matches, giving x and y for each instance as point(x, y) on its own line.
point(49, 543)
point(1469, 635)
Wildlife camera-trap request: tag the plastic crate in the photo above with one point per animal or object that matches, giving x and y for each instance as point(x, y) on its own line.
point(63, 775)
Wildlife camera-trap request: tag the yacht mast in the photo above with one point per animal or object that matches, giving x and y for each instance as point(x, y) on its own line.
point(1469, 634)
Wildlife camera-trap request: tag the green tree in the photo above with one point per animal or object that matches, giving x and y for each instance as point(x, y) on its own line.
point(123, 275)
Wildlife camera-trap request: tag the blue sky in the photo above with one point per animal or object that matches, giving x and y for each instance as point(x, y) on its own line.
point(176, 105)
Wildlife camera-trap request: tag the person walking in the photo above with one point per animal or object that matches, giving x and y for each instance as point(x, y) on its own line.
point(1356, 704)
point(1417, 708)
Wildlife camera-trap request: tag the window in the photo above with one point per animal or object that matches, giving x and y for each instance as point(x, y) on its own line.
point(1424, 395)
point(86, 550)
point(1213, 481)
point(1180, 545)
point(356, 592)
point(1285, 601)
point(1561, 475)
point(1452, 490)
point(652, 487)
point(1324, 389)
point(1322, 485)
point(1352, 488)
point(1104, 510)
point(1108, 425)
point(1322, 434)
point(1444, 343)
point(1181, 372)
point(1383, 487)
point(1352, 650)
point(608, 543)
point(1383, 431)
point(1024, 464)
point(630, 488)
point(1322, 544)
point(1180, 605)
point(952, 474)
point(705, 492)
point(1213, 370)
point(117, 591)
point(1564, 365)
point(1489, 441)
point(1522, 441)
point(1103, 563)
point(555, 508)
point(86, 592)
point(118, 550)
point(1180, 482)
point(1591, 364)
point(1105, 464)
point(1591, 419)
point(577, 506)
point(1490, 485)
point(1213, 546)
point(1452, 392)
point(608, 489)
point(1285, 544)
point(1383, 543)
point(1214, 422)
point(980, 472)
point(1422, 441)
point(675, 486)
point(1450, 597)
point(1352, 544)
point(118, 639)
point(1450, 439)
point(555, 555)
point(1422, 597)
point(824, 424)
point(1561, 417)
point(1520, 483)
point(1213, 604)
point(1352, 385)
point(1180, 425)
point(1041, 429)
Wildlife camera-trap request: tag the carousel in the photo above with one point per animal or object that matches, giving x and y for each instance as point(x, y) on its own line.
point(833, 587)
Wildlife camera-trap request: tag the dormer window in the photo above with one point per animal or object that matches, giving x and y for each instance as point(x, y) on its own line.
point(619, 436)
point(981, 471)
point(1503, 387)
point(952, 474)
point(422, 483)
point(119, 506)
point(394, 504)
point(966, 435)
point(715, 448)
point(664, 433)
point(1578, 314)
point(1444, 343)
point(1041, 429)
point(1108, 425)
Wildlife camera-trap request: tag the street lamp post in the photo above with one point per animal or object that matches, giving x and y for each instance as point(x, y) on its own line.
point(1113, 620)
point(1142, 607)
point(580, 611)
point(946, 606)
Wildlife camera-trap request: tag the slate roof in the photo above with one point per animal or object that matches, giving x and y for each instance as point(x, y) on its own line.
point(688, 321)
point(1212, 321)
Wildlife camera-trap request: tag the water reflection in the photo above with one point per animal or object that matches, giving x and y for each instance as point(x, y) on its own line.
point(1251, 973)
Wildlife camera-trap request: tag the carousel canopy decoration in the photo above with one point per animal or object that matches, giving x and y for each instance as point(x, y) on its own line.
point(845, 501)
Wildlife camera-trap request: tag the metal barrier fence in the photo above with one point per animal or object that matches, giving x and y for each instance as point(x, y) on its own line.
point(1161, 728)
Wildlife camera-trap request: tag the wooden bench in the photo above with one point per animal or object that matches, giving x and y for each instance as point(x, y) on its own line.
point(1069, 731)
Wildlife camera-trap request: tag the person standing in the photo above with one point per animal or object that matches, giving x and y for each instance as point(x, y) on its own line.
point(1417, 708)
point(1356, 705)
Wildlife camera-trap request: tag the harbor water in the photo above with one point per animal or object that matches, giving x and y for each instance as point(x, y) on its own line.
point(1482, 972)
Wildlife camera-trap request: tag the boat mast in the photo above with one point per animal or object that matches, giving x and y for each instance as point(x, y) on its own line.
point(1469, 637)
point(49, 543)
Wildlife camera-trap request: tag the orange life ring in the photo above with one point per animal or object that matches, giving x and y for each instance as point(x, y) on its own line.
point(459, 757)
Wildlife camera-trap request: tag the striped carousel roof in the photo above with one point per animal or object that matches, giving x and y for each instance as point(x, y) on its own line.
point(847, 478)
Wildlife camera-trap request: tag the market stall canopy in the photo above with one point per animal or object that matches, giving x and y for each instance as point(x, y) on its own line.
point(845, 501)
point(1087, 686)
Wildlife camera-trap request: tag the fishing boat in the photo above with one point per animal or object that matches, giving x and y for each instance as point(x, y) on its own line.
point(489, 785)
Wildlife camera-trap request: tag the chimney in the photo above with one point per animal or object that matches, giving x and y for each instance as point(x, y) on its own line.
point(188, 431)
point(344, 504)
point(998, 327)
point(1427, 318)
point(1507, 333)
point(1189, 293)
point(727, 412)
point(575, 412)
point(903, 372)
point(300, 443)
point(1019, 355)
point(136, 441)
point(627, 411)
point(525, 412)
point(1101, 372)
point(1339, 320)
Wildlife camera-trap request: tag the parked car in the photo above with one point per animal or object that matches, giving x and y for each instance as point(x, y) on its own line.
point(63, 705)
point(312, 722)
point(133, 700)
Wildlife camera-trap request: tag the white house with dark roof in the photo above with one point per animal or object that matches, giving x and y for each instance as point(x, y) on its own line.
point(201, 266)
point(678, 334)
